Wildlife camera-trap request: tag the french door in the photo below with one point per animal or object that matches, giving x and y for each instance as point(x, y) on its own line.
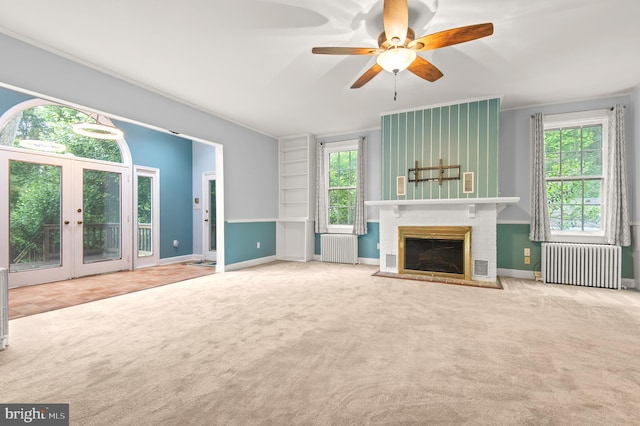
point(62, 218)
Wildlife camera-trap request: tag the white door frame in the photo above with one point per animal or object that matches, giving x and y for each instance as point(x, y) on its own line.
point(206, 216)
point(154, 174)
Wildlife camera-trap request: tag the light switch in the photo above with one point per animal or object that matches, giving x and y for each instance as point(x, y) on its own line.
point(527, 251)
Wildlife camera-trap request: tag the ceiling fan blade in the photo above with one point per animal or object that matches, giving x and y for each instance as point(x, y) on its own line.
point(368, 75)
point(346, 50)
point(453, 36)
point(425, 69)
point(396, 20)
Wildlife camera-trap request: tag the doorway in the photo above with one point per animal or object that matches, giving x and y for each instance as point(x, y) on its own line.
point(64, 217)
point(209, 217)
point(147, 216)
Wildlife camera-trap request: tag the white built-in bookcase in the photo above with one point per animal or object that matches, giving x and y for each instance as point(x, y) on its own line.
point(296, 204)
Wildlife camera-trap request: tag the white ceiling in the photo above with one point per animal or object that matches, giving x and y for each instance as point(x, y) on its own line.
point(250, 61)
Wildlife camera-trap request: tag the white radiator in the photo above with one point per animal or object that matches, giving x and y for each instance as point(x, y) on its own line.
point(592, 265)
point(339, 248)
point(4, 309)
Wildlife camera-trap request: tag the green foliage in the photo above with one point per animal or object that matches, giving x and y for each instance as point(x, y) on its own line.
point(34, 201)
point(101, 191)
point(573, 168)
point(343, 175)
point(54, 123)
point(35, 189)
point(144, 199)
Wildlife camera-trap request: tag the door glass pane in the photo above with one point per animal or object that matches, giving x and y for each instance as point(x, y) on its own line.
point(212, 215)
point(34, 216)
point(145, 234)
point(101, 218)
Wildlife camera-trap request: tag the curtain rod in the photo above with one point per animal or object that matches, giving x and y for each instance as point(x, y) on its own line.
point(584, 110)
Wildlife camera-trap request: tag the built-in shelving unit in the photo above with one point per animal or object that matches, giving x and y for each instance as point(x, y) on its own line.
point(297, 166)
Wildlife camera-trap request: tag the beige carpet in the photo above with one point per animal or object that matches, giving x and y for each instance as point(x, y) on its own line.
point(314, 343)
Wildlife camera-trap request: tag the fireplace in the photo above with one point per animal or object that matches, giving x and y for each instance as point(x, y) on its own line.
point(439, 251)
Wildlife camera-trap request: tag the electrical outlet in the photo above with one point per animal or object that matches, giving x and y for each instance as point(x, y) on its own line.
point(378, 246)
point(258, 244)
point(527, 260)
point(527, 251)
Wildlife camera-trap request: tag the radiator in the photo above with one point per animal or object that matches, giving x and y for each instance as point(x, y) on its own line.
point(4, 309)
point(592, 265)
point(339, 248)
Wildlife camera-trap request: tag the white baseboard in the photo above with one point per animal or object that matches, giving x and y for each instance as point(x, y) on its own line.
point(630, 284)
point(177, 259)
point(516, 273)
point(249, 263)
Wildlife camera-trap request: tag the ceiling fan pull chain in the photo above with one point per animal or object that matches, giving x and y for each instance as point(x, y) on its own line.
point(395, 86)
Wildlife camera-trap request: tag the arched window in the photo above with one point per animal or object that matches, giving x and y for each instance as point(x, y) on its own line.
point(38, 125)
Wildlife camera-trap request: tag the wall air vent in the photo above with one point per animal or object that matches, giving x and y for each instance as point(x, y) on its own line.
point(401, 185)
point(481, 268)
point(392, 261)
point(467, 182)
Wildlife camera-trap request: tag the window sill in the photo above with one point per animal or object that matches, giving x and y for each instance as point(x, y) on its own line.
point(577, 238)
point(340, 230)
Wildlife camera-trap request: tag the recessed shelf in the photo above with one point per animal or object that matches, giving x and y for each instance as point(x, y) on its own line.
point(295, 234)
point(295, 148)
point(303, 160)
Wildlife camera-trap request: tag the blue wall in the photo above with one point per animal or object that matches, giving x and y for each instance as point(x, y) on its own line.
point(172, 155)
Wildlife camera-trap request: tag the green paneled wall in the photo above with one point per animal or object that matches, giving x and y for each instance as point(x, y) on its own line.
point(464, 134)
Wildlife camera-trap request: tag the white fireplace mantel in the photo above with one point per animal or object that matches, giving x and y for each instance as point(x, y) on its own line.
point(396, 205)
point(478, 213)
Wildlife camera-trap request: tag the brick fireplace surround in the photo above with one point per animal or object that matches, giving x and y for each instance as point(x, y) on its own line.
point(479, 213)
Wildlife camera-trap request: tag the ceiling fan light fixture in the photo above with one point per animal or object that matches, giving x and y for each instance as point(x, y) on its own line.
point(97, 130)
point(397, 59)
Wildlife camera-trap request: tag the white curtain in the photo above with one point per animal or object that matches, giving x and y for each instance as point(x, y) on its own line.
point(360, 223)
point(540, 226)
point(616, 230)
point(321, 203)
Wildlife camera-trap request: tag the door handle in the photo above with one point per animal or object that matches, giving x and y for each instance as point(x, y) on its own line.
point(206, 220)
point(66, 222)
point(79, 222)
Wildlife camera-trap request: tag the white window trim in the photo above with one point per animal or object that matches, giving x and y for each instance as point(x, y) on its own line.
point(583, 118)
point(329, 148)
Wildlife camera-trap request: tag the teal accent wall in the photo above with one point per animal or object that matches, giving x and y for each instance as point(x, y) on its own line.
point(9, 98)
point(173, 156)
point(240, 240)
point(513, 238)
point(465, 134)
point(367, 244)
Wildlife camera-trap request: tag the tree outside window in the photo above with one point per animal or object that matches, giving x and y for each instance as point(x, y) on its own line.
point(574, 177)
point(342, 187)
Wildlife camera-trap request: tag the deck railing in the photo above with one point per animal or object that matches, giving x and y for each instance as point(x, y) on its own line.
point(97, 238)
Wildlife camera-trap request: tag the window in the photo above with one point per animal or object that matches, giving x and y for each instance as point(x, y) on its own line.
point(37, 125)
point(341, 177)
point(574, 172)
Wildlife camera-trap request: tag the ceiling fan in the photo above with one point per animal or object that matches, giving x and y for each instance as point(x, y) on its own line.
point(397, 45)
